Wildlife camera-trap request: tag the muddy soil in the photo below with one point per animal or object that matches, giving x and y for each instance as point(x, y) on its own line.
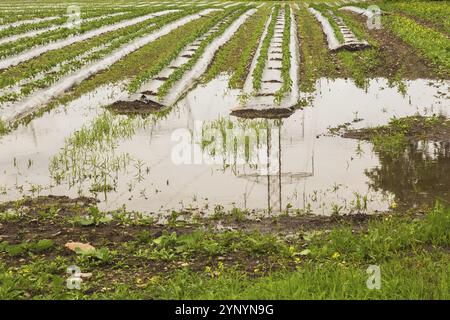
point(398, 58)
point(142, 107)
point(32, 225)
point(272, 113)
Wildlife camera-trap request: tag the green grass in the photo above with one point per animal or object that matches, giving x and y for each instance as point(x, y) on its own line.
point(359, 64)
point(412, 255)
point(330, 280)
point(412, 252)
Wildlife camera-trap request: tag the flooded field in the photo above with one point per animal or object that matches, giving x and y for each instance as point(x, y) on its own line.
point(224, 150)
point(158, 164)
point(219, 145)
point(193, 133)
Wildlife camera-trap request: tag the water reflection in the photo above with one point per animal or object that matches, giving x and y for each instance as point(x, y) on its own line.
point(85, 150)
point(418, 177)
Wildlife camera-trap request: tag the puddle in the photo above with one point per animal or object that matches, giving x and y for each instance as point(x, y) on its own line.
point(143, 164)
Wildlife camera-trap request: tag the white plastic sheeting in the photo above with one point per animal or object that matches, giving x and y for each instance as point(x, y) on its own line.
point(35, 52)
point(44, 96)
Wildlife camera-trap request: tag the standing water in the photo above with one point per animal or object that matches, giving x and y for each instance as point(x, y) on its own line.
point(198, 156)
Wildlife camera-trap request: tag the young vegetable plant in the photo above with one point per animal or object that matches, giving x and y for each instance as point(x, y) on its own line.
point(286, 63)
point(175, 76)
point(264, 53)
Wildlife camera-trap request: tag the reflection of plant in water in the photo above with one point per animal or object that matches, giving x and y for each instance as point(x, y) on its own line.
point(360, 202)
point(419, 176)
point(238, 140)
point(359, 150)
point(390, 144)
point(89, 154)
point(3, 128)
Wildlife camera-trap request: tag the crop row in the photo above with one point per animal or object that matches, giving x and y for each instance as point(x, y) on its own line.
point(181, 44)
point(328, 13)
point(178, 73)
point(437, 13)
point(264, 52)
point(237, 54)
point(54, 20)
point(18, 16)
point(68, 59)
point(432, 45)
point(286, 62)
point(9, 49)
point(69, 52)
point(139, 63)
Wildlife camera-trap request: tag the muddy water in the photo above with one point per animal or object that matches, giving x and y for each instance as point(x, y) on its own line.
point(173, 162)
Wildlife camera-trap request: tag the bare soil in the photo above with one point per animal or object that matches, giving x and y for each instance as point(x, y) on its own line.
point(32, 226)
point(135, 107)
point(269, 113)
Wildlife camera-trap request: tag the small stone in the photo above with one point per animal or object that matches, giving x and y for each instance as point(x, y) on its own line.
point(83, 247)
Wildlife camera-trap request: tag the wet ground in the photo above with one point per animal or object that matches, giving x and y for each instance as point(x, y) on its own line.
point(181, 160)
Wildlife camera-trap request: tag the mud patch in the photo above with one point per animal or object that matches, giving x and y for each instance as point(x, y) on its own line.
point(32, 205)
point(32, 224)
point(142, 107)
point(269, 113)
